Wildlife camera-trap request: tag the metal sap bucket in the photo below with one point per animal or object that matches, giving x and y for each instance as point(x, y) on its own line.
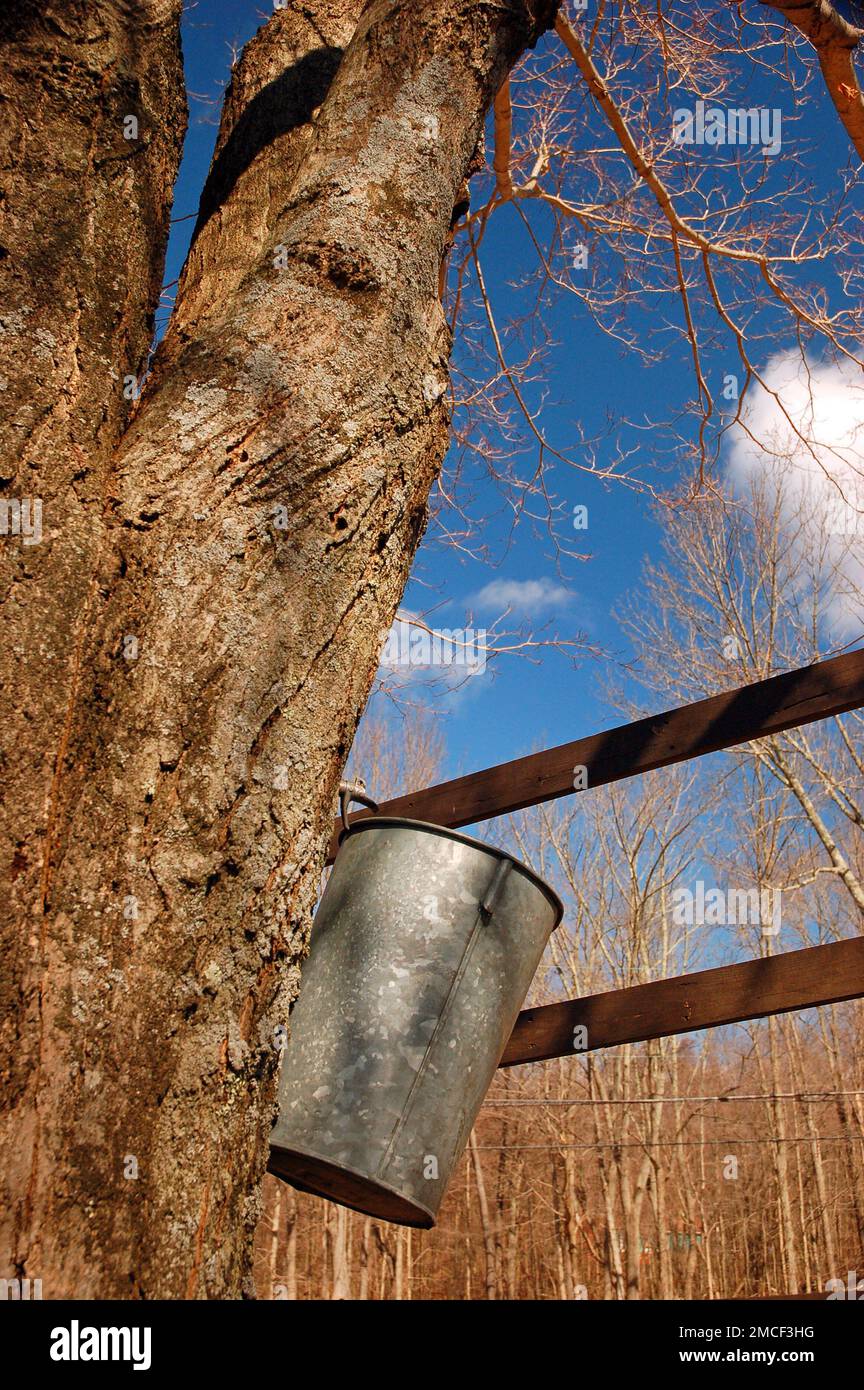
point(424, 945)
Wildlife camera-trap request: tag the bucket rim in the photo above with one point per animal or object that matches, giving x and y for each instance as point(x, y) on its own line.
point(377, 822)
point(422, 1218)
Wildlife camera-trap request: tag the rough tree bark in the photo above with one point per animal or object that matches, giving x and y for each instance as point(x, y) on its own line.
point(84, 215)
point(250, 543)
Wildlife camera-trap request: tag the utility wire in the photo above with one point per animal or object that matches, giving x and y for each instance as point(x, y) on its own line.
point(677, 1143)
point(808, 1096)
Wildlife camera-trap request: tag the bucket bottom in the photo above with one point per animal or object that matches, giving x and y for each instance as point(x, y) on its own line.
point(308, 1172)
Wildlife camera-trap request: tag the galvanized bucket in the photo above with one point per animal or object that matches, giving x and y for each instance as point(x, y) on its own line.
point(423, 948)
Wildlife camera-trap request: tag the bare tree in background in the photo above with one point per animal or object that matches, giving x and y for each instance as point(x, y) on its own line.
point(745, 590)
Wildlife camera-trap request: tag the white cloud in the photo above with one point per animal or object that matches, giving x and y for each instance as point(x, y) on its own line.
point(821, 474)
point(529, 597)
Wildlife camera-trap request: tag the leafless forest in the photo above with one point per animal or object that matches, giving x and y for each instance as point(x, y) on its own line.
point(717, 1164)
point(569, 1191)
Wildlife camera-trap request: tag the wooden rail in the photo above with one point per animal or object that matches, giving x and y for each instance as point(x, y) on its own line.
point(708, 999)
point(738, 716)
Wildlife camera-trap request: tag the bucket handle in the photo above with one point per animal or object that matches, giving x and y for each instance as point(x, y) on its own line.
point(348, 792)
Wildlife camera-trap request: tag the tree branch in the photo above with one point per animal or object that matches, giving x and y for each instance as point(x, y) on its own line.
point(835, 41)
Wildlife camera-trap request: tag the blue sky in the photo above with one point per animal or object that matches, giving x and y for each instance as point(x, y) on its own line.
point(526, 706)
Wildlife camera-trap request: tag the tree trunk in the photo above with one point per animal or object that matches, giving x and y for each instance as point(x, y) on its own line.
point(260, 516)
point(489, 1249)
point(777, 1121)
point(364, 1259)
point(290, 1271)
point(93, 116)
point(340, 1255)
point(275, 1238)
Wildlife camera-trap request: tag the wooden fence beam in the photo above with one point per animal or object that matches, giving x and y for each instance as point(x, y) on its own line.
point(737, 716)
point(729, 994)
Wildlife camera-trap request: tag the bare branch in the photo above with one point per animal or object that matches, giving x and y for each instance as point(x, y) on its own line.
point(835, 41)
point(503, 136)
